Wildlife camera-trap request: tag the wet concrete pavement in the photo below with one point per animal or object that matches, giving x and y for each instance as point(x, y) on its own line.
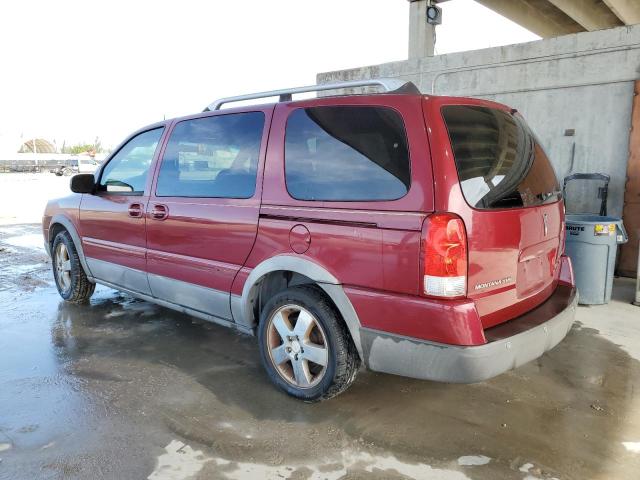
point(125, 389)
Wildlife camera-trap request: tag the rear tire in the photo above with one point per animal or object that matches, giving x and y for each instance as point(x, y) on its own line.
point(305, 346)
point(71, 279)
point(67, 172)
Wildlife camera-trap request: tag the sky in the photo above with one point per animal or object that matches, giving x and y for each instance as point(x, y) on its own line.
point(71, 71)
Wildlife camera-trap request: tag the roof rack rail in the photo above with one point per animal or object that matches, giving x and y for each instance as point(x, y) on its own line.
point(389, 85)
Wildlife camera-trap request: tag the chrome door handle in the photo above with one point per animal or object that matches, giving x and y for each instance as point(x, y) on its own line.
point(135, 210)
point(159, 212)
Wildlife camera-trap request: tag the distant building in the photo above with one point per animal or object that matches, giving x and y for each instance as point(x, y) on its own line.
point(41, 146)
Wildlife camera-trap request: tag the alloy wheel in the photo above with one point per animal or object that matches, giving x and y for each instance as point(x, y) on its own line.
point(63, 267)
point(297, 346)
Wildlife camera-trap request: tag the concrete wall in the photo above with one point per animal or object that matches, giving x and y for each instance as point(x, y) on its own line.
point(582, 81)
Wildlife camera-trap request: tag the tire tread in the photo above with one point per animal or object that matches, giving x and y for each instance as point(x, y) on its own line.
point(81, 287)
point(348, 359)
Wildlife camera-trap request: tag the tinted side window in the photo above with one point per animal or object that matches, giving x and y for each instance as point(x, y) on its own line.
point(346, 153)
point(127, 170)
point(499, 160)
point(215, 157)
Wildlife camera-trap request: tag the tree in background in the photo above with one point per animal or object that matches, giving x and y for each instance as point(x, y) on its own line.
point(89, 148)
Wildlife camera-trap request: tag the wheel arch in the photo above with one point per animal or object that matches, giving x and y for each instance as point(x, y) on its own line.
point(59, 223)
point(300, 271)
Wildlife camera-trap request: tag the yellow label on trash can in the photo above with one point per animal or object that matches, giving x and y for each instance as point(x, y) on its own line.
point(602, 229)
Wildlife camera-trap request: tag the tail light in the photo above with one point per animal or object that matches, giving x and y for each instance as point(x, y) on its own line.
point(444, 250)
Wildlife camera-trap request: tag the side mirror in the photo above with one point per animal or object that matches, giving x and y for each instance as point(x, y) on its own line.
point(83, 183)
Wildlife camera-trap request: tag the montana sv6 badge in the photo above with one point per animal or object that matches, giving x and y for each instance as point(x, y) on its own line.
point(493, 283)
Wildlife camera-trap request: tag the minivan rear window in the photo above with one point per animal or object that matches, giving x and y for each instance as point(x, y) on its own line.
point(346, 153)
point(500, 162)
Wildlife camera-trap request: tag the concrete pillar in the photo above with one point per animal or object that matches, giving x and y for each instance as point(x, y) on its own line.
point(421, 33)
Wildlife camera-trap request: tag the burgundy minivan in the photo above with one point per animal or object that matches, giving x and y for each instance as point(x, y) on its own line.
point(421, 235)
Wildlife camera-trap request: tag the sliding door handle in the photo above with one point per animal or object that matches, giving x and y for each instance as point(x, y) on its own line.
point(159, 212)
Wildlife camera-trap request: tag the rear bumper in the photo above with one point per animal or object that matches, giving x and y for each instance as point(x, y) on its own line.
point(510, 345)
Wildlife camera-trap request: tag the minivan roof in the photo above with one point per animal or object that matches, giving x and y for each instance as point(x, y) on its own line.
point(388, 85)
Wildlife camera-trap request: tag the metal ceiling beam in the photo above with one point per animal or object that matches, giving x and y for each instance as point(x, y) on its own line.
point(626, 10)
point(537, 16)
point(591, 14)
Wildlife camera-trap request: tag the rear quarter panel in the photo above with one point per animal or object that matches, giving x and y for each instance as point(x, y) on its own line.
point(372, 245)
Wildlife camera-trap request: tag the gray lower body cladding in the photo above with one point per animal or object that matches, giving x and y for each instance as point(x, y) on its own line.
point(514, 343)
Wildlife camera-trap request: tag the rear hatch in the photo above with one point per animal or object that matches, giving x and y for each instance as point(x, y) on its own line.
point(515, 215)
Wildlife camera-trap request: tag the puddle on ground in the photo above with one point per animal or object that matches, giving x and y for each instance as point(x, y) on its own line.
point(210, 391)
point(612, 320)
point(632, 446)
point(104, 389)
point(27, 276)
point(13, 229)
point(534, 473)
point(180, 461)
point(23, 261)
point(31, 240)
point(473, 460)
point(15, 270)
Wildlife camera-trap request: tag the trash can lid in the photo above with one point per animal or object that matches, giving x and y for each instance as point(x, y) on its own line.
point(600, 225)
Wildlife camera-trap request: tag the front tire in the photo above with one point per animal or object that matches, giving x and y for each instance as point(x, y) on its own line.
point(71, 279)
point(305, 346)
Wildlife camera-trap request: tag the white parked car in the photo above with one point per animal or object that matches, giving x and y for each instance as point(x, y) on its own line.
point(83, 164)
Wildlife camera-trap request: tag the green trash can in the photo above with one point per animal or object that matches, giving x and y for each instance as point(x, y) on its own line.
point(592, 244)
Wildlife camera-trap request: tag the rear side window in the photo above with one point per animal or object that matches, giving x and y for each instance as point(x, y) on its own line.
point(212, 157)
point(499, 160)
point(346, 153)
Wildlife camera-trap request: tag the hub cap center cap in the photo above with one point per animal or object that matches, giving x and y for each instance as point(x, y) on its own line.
point(295, 347)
